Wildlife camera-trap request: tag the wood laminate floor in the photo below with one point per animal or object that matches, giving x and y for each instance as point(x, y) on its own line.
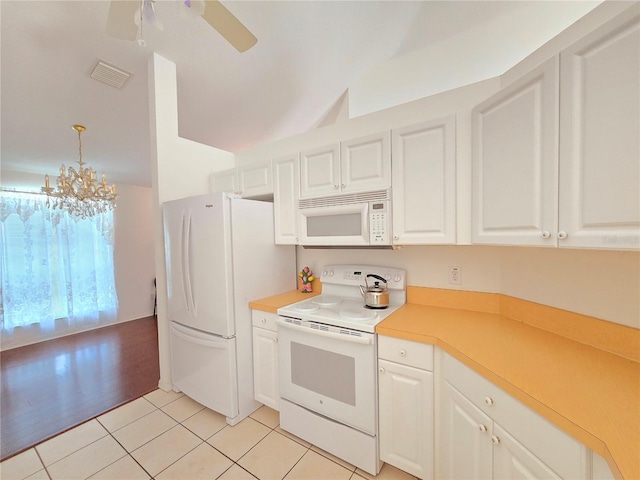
point(49, 387)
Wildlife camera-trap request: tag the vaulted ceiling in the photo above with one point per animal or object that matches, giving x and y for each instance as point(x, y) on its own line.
point(308, 54)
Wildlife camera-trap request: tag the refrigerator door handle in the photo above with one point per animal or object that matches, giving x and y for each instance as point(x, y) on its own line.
point(198, 338)
point(187, 263)
point(182, 261)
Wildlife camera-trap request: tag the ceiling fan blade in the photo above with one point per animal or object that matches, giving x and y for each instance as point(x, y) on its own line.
point(121, 20)
point(228, 26)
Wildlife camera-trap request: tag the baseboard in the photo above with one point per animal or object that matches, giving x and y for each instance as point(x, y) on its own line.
point(31, 340)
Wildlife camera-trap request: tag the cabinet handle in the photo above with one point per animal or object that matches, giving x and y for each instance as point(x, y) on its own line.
point(483, 428)
point(381, 369)
point(546, 234)
point(343, 185)
point(264, 320)
point(488, 401)
point(403, 353)
point(395, 237)
point(562, 235)
point(275, 340)
point(335, 186)
point(495, 439)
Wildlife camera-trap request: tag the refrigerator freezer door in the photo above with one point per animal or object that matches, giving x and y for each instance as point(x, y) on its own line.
point(199, 264)
point(204, 367)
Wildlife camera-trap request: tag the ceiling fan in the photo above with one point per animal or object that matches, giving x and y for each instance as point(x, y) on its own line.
point(127, 17)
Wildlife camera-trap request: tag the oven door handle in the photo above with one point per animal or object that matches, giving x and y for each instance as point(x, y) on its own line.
point(366, 340)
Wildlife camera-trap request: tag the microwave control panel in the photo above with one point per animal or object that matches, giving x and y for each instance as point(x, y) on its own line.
point(379, 223)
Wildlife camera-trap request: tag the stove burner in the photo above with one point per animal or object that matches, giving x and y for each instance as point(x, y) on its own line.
point(307, 307)
point(327, 300)
point(357, 314)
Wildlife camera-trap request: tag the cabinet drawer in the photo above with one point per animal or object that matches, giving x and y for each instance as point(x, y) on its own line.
point(406, 352)
point(566, 456)
point(266, 320)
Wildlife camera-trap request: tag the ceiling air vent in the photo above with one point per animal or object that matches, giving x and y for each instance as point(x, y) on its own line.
point(110, 75)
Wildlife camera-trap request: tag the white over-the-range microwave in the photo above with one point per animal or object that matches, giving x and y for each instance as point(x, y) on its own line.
point(360, 219)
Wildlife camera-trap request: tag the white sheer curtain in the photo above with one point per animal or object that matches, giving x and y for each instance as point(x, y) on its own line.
point(56, 271)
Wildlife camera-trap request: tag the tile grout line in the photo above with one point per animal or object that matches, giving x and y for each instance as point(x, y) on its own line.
point(201, 442)
point(127, 454)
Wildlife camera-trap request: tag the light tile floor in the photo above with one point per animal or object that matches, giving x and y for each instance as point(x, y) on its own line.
point(166, 435)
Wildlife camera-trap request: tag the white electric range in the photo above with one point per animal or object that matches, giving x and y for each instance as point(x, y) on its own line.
point(341, 303)
point(327, 354)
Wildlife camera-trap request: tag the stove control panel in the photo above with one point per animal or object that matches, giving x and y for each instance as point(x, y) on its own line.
point(356, 274)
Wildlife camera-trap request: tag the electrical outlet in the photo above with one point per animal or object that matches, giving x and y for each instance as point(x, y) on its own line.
point(455, 275)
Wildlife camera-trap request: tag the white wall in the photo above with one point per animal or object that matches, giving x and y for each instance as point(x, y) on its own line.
point(471, 56)
point(602, 284)
point(179, 168)
point(426, 266)
point(133, 252)
point(133, 246)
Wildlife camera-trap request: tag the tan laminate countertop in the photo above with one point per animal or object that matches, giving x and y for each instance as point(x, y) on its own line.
point(591, 394)
point(272, 304)
point(588, 392)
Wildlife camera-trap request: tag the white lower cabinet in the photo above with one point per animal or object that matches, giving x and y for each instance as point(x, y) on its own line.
point(485, 433)
point(512, 461)
point(265, 359)
point(465, 446)
point(405, 382)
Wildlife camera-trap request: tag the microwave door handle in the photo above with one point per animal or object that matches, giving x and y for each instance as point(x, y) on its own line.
point(368, 340)
point(366, 223)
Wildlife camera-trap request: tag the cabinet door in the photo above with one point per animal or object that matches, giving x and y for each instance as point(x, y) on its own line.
point(600, 140)
point(512, 461)
point(225, 181)
point(515, 162)
point(286, 181)
point(320, 172)
point(265, 367)
point(365, 163)
point(424, 183)
point(465, 438)
point(406, 418)
point(255, 179)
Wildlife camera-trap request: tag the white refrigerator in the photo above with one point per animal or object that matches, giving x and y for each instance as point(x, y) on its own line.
point(220, 255)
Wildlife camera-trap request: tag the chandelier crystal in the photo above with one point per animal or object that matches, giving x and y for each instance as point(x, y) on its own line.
point(78, 191)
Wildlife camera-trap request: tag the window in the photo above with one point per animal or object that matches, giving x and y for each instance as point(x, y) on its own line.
point(56, 271)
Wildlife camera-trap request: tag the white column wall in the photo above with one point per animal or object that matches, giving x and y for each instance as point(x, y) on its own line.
point(179, 168)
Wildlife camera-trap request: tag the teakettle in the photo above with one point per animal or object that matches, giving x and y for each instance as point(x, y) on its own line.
point(375, 296)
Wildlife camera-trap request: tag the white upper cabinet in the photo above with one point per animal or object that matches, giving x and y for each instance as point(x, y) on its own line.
point(255, 179)
point(365, 163)
point(224, 181)
point(424, 183)
point(285, 199)
point(351, 166)
point(515, 162)
point(250, 181)
point(556, 155)
point(320, 171)
point(600, 137)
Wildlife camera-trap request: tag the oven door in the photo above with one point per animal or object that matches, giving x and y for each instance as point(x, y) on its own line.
point(334, 225)
point(330, 373)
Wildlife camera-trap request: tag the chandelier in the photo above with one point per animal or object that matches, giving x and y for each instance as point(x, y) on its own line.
point(79, 192)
